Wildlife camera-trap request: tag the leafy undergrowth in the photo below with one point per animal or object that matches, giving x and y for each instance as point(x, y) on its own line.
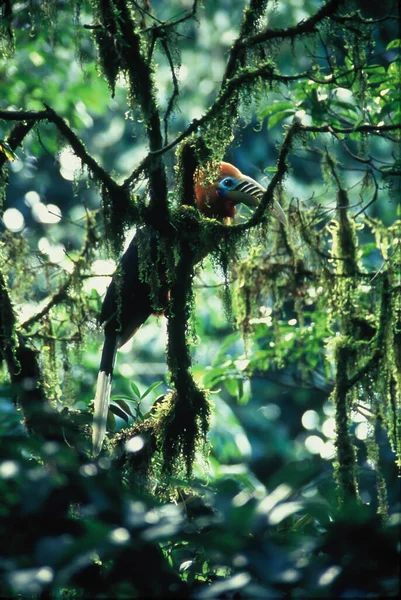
point(72, 527)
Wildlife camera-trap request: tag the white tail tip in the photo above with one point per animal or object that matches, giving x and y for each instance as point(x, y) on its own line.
point(102, 400)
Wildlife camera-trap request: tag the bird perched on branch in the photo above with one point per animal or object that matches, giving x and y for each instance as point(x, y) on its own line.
point(128, 301)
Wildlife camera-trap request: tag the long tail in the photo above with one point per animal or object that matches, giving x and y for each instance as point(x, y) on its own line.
point(102, 397)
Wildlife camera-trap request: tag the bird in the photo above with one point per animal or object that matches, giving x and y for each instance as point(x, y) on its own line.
point(128, 301)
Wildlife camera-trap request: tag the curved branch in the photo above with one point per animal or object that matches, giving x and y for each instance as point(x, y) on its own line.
point(142, 87)
point(22, 362)
point(78, 147)
point(16, 136)
point(61, 294)
point(302, 28)
point(275, 182)
point(165, 25)
point(80, 150)
point(176, 90)
point(251, 16)
point(265, 72)
point(23, 115)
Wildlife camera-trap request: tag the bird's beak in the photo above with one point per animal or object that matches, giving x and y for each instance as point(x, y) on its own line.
point(250, 192)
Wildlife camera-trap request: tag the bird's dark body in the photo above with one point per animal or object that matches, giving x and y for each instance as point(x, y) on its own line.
point(128, 302)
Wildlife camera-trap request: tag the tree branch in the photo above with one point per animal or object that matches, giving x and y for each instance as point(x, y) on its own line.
point(175, 89)
point(80, 150)
point(165, 25)
point(62, 294)
point(302, 28)
point(50, 115)
point(142, 87)
point(242, 79)
point(40, 416)
point(251, 15)
point(16, 136)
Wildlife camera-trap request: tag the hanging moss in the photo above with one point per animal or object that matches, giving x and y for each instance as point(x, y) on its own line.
point(182, 425)
point(390, 406)
point(3, 184)
point(187, 417)
point(345, 463)
point(7, 41)
point(361, 321)
point(373, 451)
point(359, 44)
point(107, 40)
point(172, 434)
point(8, 338)
point(50, 364)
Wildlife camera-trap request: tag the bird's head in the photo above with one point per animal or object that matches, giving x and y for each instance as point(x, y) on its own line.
point(219, 199)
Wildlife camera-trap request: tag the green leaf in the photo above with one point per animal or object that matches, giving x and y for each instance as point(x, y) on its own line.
point(346, 105)
point(397, 117)
point(278, 117)
point(212, 376)
point(124, 406)
point(394, 44)
point(120, 413)
point(151, 388)
point(275, 108)
point(111, 421)
point(135, 389)
point(122, 397)
point(377, 75)
point(232, 387)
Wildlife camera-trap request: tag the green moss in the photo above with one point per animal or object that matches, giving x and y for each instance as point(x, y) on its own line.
point(8, 339)
point(354, 336)
point(373, 450)
point(173, 432)
point(345, 463)
point(7, 41)
point(107, 39)
point(182, 425)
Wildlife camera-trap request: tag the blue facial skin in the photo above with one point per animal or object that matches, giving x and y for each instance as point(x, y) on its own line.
point(226, 185)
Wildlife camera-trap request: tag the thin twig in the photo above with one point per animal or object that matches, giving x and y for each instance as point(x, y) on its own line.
point(62, 293)
point(175, 89)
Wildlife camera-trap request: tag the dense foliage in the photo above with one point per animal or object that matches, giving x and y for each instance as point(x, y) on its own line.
point(268, 466)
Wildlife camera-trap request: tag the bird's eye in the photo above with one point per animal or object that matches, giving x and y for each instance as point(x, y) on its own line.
point(228, 182)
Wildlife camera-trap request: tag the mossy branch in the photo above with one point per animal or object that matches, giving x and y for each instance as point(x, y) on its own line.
point(186, 422)
point(16, 137)
point(78, 147)
point(379, 341)
point(305, 27)
point(344, 247)
point(116, 192)
point(238, 52)
point(40, 416)
point(196, 124)
point(142, 88)
point(345, 471)
point(6, 30)
point(118, 196)
point(62, 293)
